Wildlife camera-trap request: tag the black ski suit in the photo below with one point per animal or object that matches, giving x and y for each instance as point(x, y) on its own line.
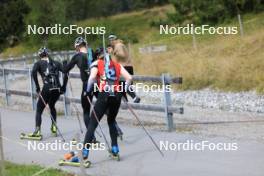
point(51, 90)
point(80, 59)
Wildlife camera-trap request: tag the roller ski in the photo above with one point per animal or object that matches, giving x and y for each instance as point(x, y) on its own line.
point(72, 159)
point(36, 135)
point(114, 153)
point(53, 130)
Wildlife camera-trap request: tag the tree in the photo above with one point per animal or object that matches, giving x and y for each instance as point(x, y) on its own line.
point(45, 13)
point(12, 24)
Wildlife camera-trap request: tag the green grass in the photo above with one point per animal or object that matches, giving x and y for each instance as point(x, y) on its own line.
point(229, 63)
point(27, 170)
point(129, 26)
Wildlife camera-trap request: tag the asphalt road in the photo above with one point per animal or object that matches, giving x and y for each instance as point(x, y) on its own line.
point(138, 156)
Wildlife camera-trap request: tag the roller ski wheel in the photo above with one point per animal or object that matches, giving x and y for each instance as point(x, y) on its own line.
point(30, 137)
point(114, 156)
point(63, 162)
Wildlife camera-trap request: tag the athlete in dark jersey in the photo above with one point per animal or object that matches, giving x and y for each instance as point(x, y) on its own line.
point(49, 72)
point(83, 59)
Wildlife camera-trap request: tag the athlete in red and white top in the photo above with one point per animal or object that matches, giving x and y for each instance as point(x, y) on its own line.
point(106, 73)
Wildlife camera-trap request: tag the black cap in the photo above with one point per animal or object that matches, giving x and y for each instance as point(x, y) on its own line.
point(79, 41)
point(43, 52)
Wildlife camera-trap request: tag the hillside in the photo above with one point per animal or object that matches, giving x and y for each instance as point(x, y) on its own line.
point(221, 61)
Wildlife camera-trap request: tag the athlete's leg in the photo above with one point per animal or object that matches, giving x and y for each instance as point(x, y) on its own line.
point(99, 109)
point(113, 108)
point(86, 109)
point(119, 131)
point(54, 97)
point(41, 105)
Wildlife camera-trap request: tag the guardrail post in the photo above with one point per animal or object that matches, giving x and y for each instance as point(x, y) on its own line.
point(32, 91)
point(7, 95)
point(24, 61)
point(167, 100)
point(2, 159)
point(11, 75)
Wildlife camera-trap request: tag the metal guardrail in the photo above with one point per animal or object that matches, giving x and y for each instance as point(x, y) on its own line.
point(32, 57)
point(165, 79)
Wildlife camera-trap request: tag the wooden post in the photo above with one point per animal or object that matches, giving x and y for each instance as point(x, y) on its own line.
point(6, 88)
point(32, 91)
point(167, 101)
point(194, 41)
point(2, 159)
point(240, 25)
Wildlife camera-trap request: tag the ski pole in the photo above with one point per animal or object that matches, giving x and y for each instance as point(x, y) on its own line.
point(76, 109)
point(78, 112)
point(98, 123)
point(54, 122)
point(104, 45)
point(89, 65)
point(139, 121)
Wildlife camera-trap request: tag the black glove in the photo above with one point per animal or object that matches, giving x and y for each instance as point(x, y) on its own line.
point(64, 63)
point(87, 93)
point(38, 90)
point(62, 90)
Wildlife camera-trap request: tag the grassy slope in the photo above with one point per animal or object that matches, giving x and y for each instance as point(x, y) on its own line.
point(224, 62)
point(26, 170)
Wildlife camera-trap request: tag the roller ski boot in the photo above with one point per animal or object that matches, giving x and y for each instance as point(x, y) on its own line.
point(72, 159)
point(36, 135)
point(53, 130)
point(114, 153)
